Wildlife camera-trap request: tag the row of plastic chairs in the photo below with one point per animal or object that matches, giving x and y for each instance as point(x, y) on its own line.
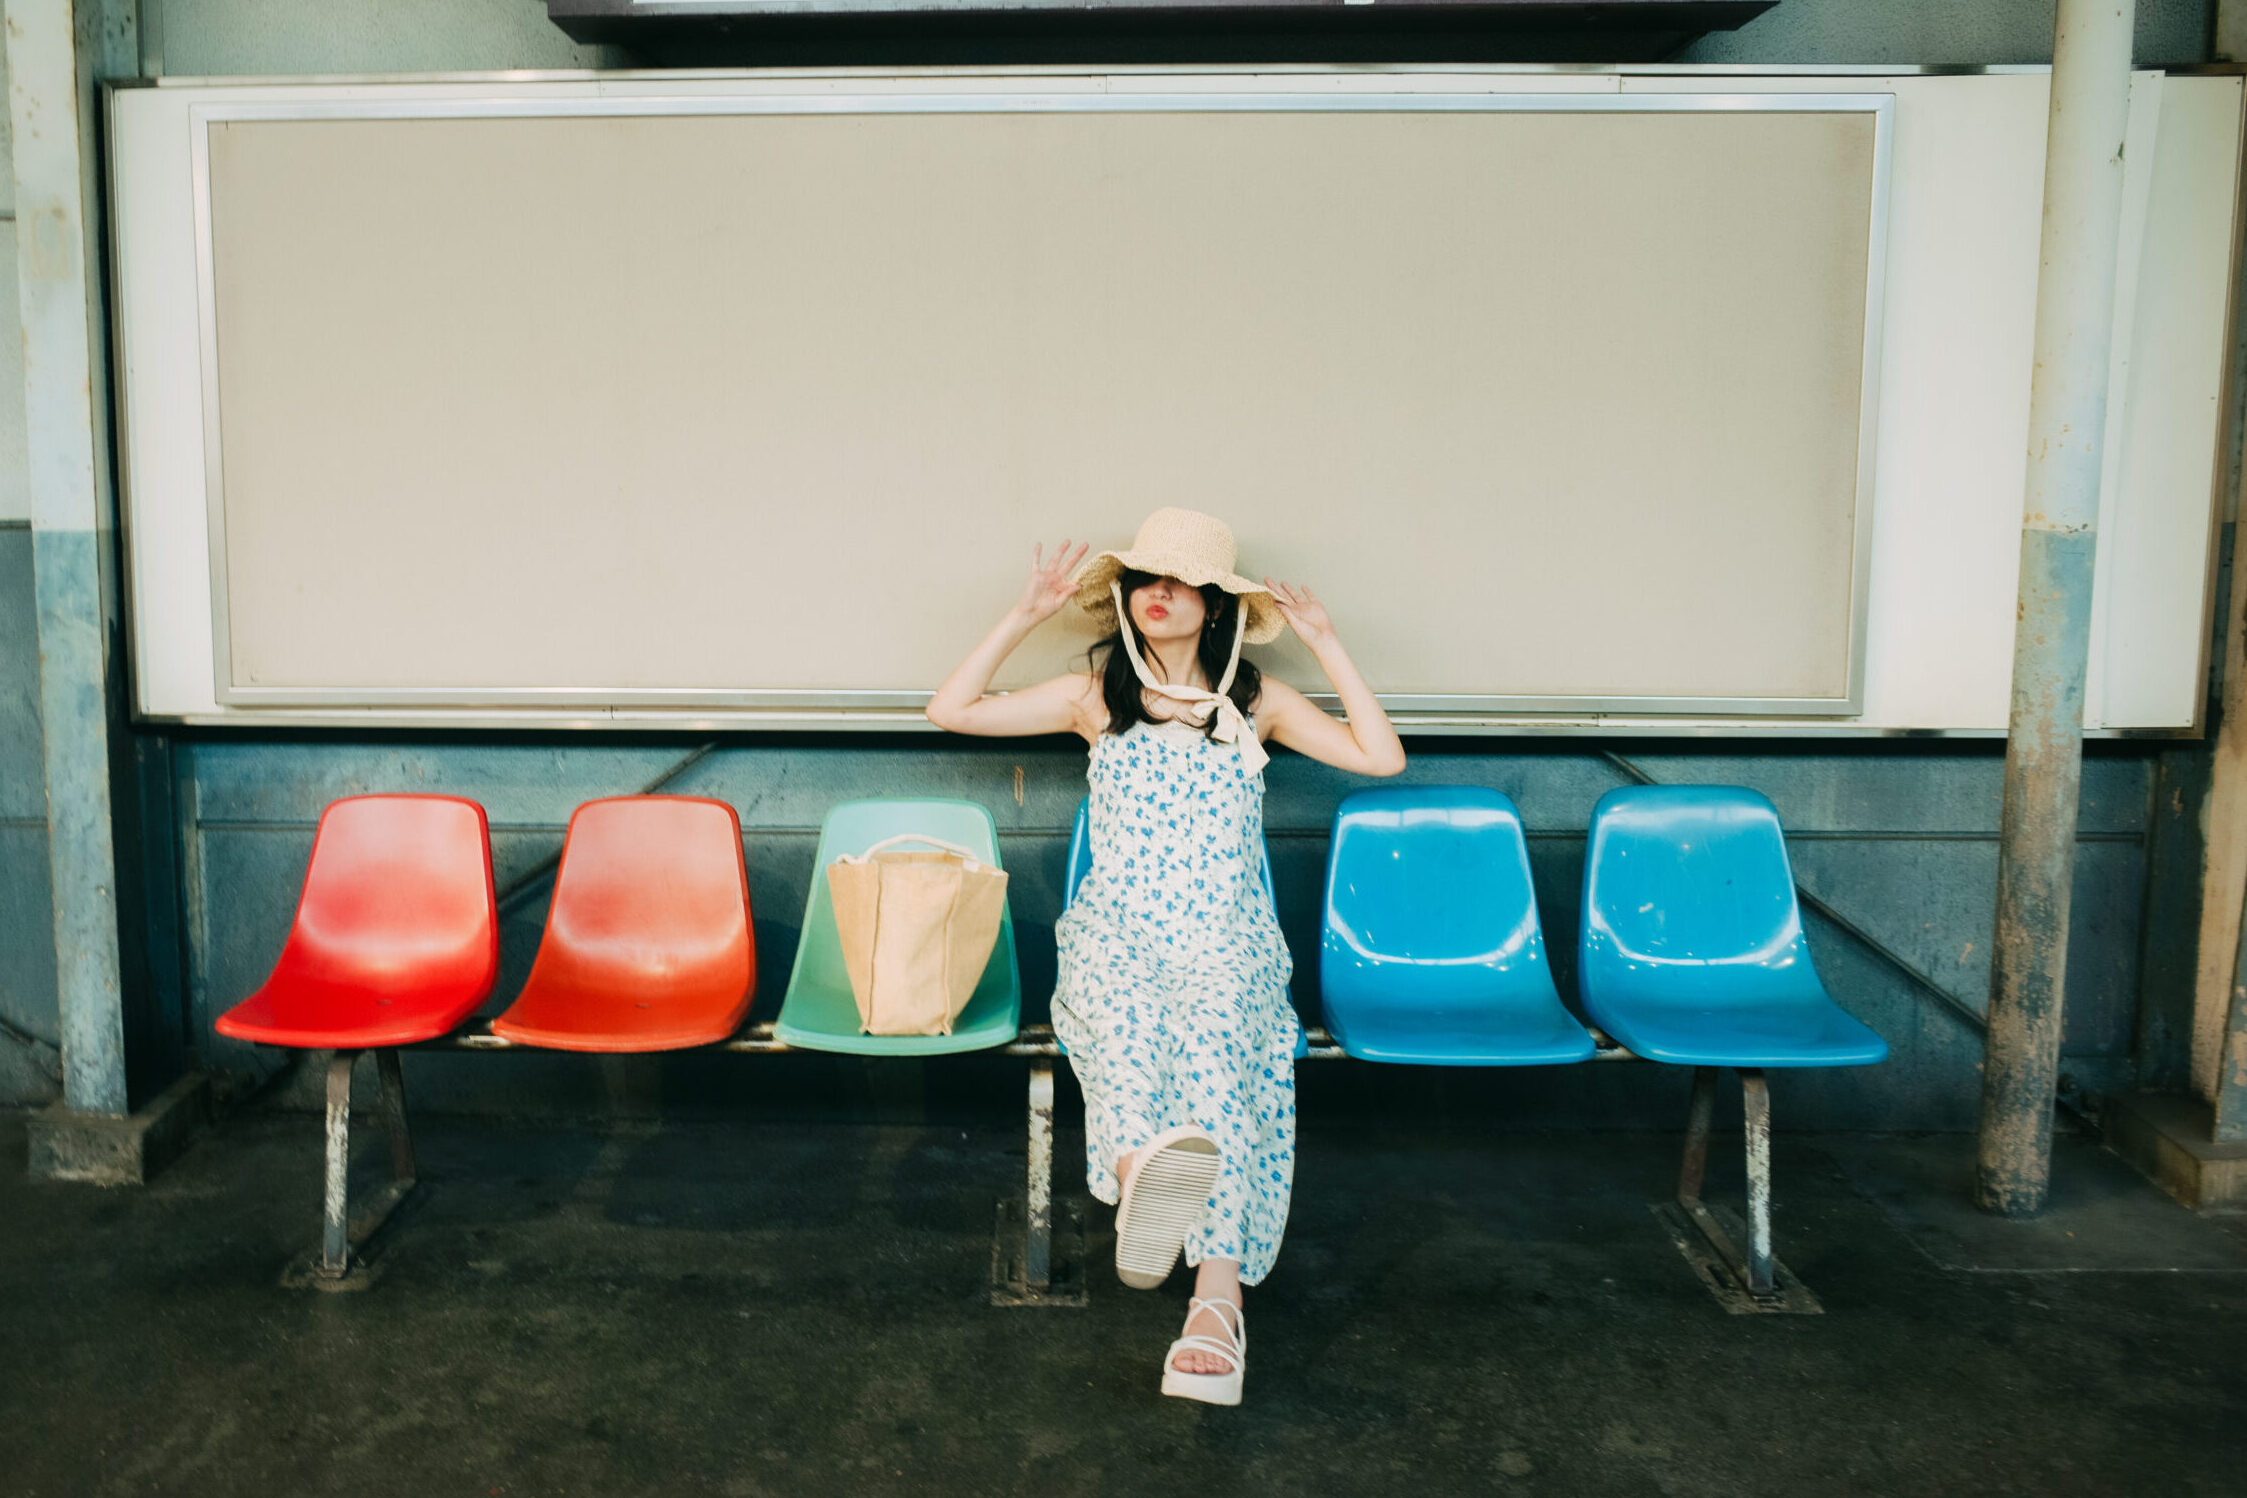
point(1432, 952)
point(649, 942)
point(1691, 951)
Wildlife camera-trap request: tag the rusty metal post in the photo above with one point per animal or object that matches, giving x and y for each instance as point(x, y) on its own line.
point(391, 1103)
point(2051, 635)
point(335, 1213)
point(1755, 1094)
point(1037, 1244)
point(1699, 1114)
point(1755, 1272)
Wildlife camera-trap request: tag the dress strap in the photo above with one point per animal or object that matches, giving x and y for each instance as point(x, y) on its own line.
point(1232, 727)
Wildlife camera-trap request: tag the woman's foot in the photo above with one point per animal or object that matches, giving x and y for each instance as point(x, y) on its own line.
point(1215, 1312)
point(1212, 1320)
point(1210, 1357)
point(1165, 1191)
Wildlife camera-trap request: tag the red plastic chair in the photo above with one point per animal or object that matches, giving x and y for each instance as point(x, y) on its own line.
point(648, 944)
point(396, 936)
point(396, 940)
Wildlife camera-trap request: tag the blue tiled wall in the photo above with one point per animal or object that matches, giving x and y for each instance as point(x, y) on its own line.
point(1899, 840)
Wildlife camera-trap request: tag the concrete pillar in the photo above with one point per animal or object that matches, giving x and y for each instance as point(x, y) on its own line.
point(2225, 1075)
point(52, 51)
point(2051, 641)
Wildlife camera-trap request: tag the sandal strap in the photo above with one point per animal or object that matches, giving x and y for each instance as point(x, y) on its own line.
point(1197, 1304)
point(1236, 1325)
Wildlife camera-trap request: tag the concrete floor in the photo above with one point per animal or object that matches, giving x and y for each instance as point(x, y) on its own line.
point(746, 1309)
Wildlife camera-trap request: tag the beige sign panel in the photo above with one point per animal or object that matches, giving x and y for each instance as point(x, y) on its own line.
point(1557, 405)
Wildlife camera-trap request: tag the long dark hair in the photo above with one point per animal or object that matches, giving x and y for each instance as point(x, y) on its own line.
point(1119, 684)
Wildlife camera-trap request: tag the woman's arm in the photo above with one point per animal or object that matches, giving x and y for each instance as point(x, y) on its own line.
point(1364, 742)
point(1056, 706)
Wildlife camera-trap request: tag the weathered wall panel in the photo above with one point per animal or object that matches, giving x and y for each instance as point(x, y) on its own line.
point(29, 1023)
point(1900, 840)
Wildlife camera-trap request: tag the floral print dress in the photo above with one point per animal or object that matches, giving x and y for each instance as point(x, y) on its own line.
point(1172, 997)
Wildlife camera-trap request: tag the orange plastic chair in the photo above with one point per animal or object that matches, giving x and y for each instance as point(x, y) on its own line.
point(396, 937)
point(648, 945)
point(396, 940)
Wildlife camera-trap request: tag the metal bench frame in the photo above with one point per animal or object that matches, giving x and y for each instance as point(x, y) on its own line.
point(1031, 1275)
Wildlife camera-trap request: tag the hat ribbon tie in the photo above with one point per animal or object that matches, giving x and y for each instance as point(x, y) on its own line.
point(1232, 727)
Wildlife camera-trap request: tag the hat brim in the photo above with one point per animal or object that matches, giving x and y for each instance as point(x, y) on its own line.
point(1264, 622)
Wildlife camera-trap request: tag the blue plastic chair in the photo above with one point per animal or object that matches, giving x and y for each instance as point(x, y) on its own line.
point(1431, 953)
point(819, 1012)
point(1693, 953)
point(1080, 864)
point(1693, 950)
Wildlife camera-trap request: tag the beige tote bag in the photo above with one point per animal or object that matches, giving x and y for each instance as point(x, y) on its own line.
point(917, 930)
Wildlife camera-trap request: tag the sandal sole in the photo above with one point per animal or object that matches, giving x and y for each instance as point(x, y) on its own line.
point(1169, 1193)
point(1209, 1388)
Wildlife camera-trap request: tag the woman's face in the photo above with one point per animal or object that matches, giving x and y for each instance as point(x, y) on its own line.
point(1167, 609)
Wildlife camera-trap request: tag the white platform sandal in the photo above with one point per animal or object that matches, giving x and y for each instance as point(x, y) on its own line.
point(1210, 1388)
point(1162, 1202)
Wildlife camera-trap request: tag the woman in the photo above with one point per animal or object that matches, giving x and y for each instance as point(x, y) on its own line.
point(1172, 997)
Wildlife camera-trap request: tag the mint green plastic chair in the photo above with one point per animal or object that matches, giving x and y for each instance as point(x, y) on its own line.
point(819, 1013)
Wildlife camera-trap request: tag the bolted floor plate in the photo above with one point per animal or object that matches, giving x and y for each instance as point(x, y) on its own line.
point(1791, 1297)
point(1066, 1287)
point(304, 1274)
point(376, 1210)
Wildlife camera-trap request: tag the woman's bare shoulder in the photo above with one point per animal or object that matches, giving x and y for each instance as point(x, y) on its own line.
point(1274, 694)
point(1275, 703)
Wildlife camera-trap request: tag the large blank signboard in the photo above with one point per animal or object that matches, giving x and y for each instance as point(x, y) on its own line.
point(1615, 400)
point(1556, 405)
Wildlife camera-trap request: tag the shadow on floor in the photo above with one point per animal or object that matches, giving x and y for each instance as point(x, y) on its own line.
point(752, 1309)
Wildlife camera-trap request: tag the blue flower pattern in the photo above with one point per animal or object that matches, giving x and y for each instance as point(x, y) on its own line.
point(1172, 998)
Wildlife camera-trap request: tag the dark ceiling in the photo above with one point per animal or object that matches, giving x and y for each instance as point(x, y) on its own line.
point(749, 33)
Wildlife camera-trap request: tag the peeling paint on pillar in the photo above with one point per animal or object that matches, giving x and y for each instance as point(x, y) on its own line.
point(2051, 640)
point(2229, 1114)
point(55, 48)
point(80, 851)
point(2036, 868)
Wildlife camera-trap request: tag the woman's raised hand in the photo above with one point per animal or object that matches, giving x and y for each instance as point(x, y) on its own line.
point(1060, 705)
point(1303, 612)
point(1049, 586)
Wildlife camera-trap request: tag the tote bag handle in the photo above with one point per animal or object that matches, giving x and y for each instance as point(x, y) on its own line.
point(912, 837)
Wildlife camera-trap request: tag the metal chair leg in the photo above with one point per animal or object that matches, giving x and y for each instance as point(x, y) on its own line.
point(1755, 1095)
point(1037, 1245)
point(392, 1103)
point(344, 1234)
point(1752, 1271)
point(335, 1219)
point(1037, 1251)
point(1698, 1115)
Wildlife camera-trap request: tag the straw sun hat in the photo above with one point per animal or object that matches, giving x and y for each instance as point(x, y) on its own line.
point(1196, 549)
